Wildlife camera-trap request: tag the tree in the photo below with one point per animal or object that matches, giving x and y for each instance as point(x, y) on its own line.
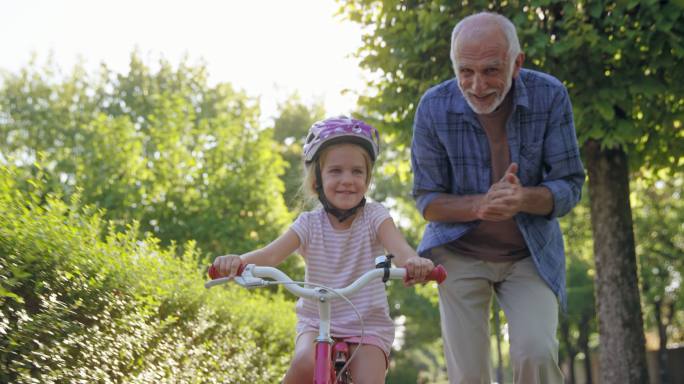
point(619, 61)
point(289, 129)
point(658, 223)
point(185, 159)
point(578, 323)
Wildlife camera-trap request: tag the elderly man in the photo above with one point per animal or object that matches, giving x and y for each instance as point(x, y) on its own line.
point(496, 162)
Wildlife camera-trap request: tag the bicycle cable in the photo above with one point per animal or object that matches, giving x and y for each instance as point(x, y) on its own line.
point(358, 314)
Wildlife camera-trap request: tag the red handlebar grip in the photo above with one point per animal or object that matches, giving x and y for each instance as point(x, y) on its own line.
point(438, 274)
point(214, 273)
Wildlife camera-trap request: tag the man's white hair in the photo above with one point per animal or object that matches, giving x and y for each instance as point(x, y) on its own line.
point(503, 22)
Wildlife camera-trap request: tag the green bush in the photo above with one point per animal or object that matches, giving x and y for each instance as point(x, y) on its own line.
point(80, 302)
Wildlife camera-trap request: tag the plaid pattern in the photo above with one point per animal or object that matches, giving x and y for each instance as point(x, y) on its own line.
point(450, 154)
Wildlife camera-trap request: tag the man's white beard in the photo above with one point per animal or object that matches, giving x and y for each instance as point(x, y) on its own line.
point(497, 102)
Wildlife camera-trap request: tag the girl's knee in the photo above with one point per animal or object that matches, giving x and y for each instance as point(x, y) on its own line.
point(302, 365)
point(369, 366)
point(301, 370)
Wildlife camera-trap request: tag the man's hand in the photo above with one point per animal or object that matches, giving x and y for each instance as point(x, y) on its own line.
point(504, 198)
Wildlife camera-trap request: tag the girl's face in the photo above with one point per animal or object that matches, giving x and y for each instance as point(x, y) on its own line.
point(344, 174)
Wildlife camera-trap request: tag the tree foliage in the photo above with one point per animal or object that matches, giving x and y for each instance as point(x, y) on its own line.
point(163, 147)
point(290, 128)
point(659, 229)
point(620, 62)
point(578, 324)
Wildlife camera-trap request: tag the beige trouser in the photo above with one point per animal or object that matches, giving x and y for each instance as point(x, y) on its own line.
point(530, 306)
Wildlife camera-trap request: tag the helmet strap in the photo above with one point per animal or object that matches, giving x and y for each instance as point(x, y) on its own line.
point(340, 214)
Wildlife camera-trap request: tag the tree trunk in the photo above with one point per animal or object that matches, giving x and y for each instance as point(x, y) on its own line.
point(622, 352)
point(571, 366)
point(583, 343)
point(662, 337)
point(570, 350)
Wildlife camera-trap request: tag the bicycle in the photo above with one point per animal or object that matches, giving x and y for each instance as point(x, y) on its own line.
point(331, 357)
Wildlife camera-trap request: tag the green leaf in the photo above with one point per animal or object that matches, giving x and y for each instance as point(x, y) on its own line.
point(605, 109)
point(595, 9)
point(11, 295)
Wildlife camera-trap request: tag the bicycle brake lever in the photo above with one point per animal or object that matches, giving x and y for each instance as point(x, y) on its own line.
point(249, 282)
point(247, 279)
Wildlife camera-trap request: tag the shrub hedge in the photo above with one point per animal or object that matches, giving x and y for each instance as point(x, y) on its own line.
point(81, 302)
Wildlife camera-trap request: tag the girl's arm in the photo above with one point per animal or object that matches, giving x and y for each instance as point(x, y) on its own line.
point(393, 240)
point(269, 256)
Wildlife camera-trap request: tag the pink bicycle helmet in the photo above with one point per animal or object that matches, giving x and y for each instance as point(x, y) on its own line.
point(341, 129)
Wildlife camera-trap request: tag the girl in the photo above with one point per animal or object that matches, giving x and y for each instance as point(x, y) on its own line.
point(339, 242)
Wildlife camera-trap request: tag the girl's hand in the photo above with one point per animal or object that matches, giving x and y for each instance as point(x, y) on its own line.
point(228, 265)
point(417, 269)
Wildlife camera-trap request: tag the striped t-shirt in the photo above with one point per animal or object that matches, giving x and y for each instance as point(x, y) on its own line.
point(335, 258)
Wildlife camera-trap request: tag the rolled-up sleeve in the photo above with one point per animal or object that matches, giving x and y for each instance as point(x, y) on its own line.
point(564, 172)
point(423, 200)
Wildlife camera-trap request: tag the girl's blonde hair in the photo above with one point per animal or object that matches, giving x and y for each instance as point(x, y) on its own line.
point(308, 188)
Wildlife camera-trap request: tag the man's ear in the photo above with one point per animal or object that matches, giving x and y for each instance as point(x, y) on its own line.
point(519, 60)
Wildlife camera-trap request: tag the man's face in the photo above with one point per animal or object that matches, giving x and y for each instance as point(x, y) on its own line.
point(484, 70)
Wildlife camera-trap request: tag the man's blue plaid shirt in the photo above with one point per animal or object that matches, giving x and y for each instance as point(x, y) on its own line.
point(450, 154)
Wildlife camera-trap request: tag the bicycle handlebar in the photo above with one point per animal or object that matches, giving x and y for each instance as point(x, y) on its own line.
point(250, 276)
